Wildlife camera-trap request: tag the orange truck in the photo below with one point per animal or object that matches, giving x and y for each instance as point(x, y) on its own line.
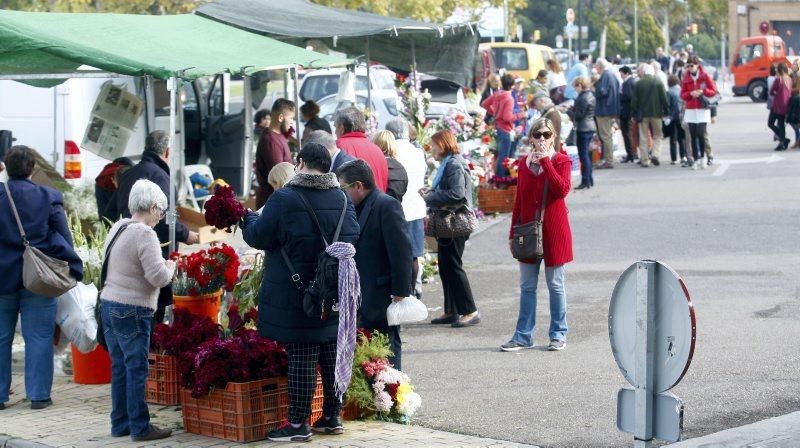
point(751, 63)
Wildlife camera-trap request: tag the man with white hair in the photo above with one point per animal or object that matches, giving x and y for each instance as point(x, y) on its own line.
point(659, 73)
point(606, 91)
point(648, 105)
point(326, 139)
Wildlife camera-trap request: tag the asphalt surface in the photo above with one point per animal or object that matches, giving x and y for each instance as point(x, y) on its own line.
point(732, 237)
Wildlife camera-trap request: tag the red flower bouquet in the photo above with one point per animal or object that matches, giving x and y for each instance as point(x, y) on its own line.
point(186, 332)
point(223, 210)
point(205, 271)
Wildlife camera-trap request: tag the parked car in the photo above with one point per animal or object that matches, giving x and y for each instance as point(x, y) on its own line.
point(520, 59)
point(386, 111)
point(319, 84)
point(445, 96)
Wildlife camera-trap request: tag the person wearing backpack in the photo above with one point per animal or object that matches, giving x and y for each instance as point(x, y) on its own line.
point(289, 230)
point(383, 252)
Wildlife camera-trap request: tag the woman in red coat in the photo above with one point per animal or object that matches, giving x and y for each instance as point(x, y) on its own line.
point(696, 83)
point(543, 165)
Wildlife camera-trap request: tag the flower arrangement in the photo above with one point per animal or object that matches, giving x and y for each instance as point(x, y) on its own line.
point(185, 332)
point(89, 247)
point(378, 387)
point(205, 271)
point(244, 356)
point(430, 267)
point(246, 290)
point(223, 210)
point(80, 202)
point(464, 126)
point(415, 102)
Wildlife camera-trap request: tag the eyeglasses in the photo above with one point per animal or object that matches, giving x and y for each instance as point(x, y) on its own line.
point(537, 135)
point(160, 213)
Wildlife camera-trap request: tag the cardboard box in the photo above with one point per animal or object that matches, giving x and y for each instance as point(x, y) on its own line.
point(196, 222)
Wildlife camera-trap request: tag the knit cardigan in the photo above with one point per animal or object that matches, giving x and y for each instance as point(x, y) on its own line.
point(556, 232)
point(136, 270)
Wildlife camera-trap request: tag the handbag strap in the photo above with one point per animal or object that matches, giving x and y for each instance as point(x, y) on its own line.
point(16, 214)
point(540, 212)
point(104, 270)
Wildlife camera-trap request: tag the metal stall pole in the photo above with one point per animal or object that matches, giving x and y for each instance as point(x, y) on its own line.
point(369, 82)
point(297, 116)
point(247, 153)
point(172, 86)
point(645, 347)
point(413, 62)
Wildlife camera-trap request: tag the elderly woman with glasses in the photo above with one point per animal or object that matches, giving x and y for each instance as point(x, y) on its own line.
point(135, 273)
point(543, 183)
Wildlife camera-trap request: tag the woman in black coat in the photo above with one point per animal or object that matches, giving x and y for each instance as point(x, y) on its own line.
point(286, 225)
point(585, 128)
point(452, 188)
point(398, 177)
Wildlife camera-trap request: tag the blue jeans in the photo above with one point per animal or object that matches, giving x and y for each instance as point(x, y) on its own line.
point(38, 325)
point(528, 279)
point(584, 138)
point(503, 140)
point(127, 332)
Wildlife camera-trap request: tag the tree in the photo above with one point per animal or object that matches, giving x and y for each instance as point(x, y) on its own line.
point(431, 10)
point(547, 17)
point(650, 37)
point(118, 6)
point(605, 11)
point(704, 46)
point(615, 40)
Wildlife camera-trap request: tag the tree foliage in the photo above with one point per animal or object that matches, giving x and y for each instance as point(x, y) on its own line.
point(704, 46)
point(615, 41)
point(431, 10)
point(650, 37)
point(118, 6)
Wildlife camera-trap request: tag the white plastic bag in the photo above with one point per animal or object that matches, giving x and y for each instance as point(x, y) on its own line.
point(75, 316)
point(406, 311)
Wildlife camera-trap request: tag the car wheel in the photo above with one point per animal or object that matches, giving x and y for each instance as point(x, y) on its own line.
point(757, 91)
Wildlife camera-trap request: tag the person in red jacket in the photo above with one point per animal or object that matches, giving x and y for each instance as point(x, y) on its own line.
point(781, 92)
point(501, 106)
point(697, 83)
point(544, 166)
point(351, 136)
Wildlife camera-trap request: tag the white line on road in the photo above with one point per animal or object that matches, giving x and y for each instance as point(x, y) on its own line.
point(725, 164)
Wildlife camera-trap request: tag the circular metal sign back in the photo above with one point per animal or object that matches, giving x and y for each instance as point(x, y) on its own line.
point(674, 323)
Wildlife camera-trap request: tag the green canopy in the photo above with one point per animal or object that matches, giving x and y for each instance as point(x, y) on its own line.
point(186, 46)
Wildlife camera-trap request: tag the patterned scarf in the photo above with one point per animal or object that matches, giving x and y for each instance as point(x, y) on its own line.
point(349, 301)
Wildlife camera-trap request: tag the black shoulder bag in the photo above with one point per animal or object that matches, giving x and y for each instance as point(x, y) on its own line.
point(526, 243)
point(101, 337)
point(321, 295)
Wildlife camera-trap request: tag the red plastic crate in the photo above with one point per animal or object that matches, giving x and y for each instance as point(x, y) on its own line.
point(492, 200)
point(242, 412)
point(162, 380)
point(317, 402)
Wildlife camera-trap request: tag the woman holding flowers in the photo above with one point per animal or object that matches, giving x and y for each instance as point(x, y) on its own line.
point(135, 274)
point(544, 182)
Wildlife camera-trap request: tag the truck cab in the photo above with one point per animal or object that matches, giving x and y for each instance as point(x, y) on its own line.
point(751, 63)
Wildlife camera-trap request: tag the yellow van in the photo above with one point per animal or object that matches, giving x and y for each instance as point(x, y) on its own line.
point(519, 59)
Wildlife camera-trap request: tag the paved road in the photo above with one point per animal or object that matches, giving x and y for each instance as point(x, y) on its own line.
point(734, 239)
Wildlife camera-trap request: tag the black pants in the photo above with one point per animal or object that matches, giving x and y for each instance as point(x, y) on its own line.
point(625, 128)
point(697, 134)
point(394, 340)
point(303, 359)
point(457, 292)
point(777, 123)
point(677, 140)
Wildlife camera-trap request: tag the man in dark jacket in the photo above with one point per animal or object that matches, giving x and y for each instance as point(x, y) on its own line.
point(606, 91)
point(153, 167)
point(650, 104)
point(383, 252)
point(625, 116)
point(326, 139)
point(285, 226)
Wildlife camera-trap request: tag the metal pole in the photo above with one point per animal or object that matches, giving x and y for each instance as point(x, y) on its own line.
point(643, 370)
point(580, 26)
point(369, 81)
point(172, 86)
point(55, 128)
point(297, 116)
point(636, 31)
point(248, 138)
point(505, 20)
point(722, 44)
point(413, 63)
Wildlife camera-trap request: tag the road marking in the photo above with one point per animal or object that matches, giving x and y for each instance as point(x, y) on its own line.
point(725, 164)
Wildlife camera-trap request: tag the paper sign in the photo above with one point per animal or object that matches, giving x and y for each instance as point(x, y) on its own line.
point(111, 124)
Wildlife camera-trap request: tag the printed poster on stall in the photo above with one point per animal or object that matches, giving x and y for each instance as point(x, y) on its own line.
point(111, 124)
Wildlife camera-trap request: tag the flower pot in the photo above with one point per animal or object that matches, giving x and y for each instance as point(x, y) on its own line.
point(91, 368)
point(162, 380)
point(492, 200)
point(203, 305)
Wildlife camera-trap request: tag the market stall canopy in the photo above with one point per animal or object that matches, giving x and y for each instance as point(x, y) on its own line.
point(444, 51)
point(187, 46)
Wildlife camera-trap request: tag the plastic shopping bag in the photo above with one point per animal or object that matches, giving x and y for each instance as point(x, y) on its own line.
point(406, 311)
point(75, 316)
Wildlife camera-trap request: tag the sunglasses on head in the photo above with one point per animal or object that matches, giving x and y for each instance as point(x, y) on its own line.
point(537, 135)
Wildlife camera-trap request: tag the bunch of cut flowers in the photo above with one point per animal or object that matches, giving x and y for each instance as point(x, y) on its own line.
point(205, 271)
point(223, 210)
point(242, 356)
point(378, 387)
point(185, 332)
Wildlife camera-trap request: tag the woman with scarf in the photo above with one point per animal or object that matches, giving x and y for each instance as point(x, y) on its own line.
point(452, 187)
point(544, 175)
point(695, 84)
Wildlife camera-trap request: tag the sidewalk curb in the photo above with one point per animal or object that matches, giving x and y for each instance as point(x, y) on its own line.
point(482, 228)
point(13, 442)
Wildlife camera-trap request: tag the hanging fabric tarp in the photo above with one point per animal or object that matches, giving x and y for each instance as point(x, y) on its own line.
point(444, 51)
point(187, 46)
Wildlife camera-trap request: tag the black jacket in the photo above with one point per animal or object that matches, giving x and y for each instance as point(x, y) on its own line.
point(398, 179)
point(383, 256)
point(285, 223)
point(154, 169)
point(584, 112)
point(625, 97)
point(455, 187)
point(341, 158)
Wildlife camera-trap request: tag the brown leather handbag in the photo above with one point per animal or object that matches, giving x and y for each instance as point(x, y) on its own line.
point(526, 242)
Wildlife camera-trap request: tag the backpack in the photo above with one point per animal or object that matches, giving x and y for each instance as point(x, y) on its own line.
point(321, 294)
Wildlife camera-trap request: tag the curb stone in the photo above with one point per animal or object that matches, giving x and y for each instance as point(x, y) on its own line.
point(12, 442)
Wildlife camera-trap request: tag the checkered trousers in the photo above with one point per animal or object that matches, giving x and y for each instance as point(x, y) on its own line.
point(303, 359)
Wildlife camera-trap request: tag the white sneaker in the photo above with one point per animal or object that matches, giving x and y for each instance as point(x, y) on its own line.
point(702, 165)
point(694, 166)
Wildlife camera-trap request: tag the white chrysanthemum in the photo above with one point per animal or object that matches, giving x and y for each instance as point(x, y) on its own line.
point(410, 404)
point(391, 375)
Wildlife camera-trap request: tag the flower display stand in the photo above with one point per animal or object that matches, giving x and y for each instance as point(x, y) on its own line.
point(241, 412)
point(162, 380)
point(91, 368)
point(204, 305)
point(492, 200)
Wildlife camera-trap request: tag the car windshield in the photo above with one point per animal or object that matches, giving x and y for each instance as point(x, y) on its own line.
point(749, 53)
point(511, 58)
point(328, 106)
point(317, 87)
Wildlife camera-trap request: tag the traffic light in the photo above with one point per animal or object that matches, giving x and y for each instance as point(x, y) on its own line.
point(694, 28)
point(537, 35)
